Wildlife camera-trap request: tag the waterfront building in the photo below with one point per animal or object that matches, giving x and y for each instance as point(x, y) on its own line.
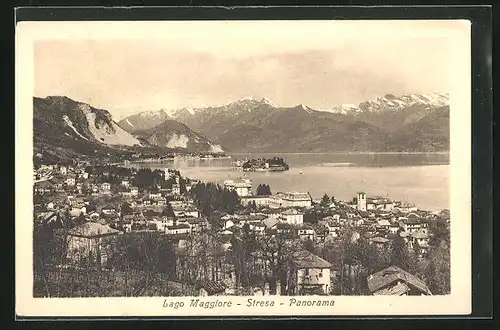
point(290, 199)
point(242, 186)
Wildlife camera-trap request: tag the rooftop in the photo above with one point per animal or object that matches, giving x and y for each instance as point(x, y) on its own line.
point(212, 287)
point(306, 259)
point(397, 290)
point(92, 230)
point(379, 240)
point(179, 226)
point(392, 275)
point(296, 196)
point(290, 212)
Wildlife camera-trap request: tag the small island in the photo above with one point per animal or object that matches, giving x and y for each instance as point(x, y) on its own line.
point(275, 164)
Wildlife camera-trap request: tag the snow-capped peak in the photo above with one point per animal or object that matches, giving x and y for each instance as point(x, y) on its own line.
point(150, 114)
point(305, 108)
point(391, 102)
point(256, 100)
point(269, 102)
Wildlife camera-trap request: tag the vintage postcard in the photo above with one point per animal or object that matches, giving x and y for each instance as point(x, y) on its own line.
point(243, 168)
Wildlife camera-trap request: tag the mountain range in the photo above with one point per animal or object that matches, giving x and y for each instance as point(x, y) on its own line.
point(408, 123)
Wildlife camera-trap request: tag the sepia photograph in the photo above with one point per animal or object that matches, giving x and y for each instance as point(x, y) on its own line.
point(243, 167)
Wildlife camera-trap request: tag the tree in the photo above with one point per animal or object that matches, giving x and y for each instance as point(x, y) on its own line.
point(263, 190)
point(168, 211)
point(309, 246)
point(276, 253)
point(126, 209)
point(325, 201)
point(252, 206)
point(438, 271)
point(444, 214)
point(268, 190)
point(400, 256)
point(80, 219)
point(182, 186)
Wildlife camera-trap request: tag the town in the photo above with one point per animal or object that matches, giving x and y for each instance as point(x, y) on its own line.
point(107, 230)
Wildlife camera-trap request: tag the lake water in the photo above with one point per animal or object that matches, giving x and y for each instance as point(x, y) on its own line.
point(417, 178)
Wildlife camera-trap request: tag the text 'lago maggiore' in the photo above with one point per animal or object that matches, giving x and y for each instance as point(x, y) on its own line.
point(292, 302)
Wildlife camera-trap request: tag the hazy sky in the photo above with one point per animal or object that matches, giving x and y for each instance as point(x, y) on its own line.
point(320, 64)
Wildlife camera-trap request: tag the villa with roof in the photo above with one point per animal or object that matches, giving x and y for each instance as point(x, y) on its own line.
point(309, 274)
point(89, 241)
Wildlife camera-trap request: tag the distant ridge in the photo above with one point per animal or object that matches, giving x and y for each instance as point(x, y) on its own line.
point(406, 123)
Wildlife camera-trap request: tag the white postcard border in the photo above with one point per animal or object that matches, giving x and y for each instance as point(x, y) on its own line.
point(458, 302)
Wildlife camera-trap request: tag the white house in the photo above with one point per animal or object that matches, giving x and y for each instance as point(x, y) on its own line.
point(292, 217)
point(306, 232)
point(176, 189)
point(393, 228)
point(181, 228)
point(258, 228)
point(105, 188)
point(228, 223)
point(333, 229)
point(71, 180)
point(161, 201)
point(413, 223)
point(154, 196)
point(383, 224)
point(134, 191)
point(309, 274)
point(89, 241)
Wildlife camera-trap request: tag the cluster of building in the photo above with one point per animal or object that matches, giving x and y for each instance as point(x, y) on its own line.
point(71, 190)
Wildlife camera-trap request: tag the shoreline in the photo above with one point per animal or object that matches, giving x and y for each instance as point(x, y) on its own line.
point(342, 153)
